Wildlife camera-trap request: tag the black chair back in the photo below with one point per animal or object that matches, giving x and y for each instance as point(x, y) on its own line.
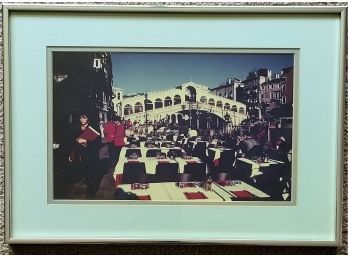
point(221, 177)
point(152, 152)
point(134, 173)
point(227, 159)
point(174, 153)
point(184, 177)
point(149, 143)
point(167, 144)
point(196, 170)
point(129, 152)
point(269, 182)
point(200, 151)
point(167, 172)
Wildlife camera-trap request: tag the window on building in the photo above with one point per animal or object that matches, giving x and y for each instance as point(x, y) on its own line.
point(128, 109)
point(158, 103)
point(118, 96)
point(283, 99)
point(97, 63)
point(203, 99)
point(262, 96)
point(138, 107)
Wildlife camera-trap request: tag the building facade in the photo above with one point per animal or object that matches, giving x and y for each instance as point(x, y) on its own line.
point(276, 95)
point(229, 89)
point(82, 82)
point(252, 92)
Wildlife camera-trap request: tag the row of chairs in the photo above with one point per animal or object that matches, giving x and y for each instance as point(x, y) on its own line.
point(165, 172)
point(154, 153)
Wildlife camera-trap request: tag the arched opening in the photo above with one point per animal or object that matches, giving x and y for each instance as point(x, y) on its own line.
point(211, 102)
point(219, 104)
point(168, 101)
point(173, 118)
point(128, 109)
point(203, 100)
point(241, 110)
point(190, 94)
point(177, 99)
point(158, 103)
point(138, 107)
point(148, 105)
point(234, 108)
point(227, 106)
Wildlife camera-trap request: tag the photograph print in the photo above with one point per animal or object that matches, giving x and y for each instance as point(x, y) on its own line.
point(188, 127)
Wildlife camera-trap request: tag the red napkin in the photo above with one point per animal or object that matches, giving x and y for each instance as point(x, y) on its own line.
point(185, 184)
point(195, 195)
point(144, 197)
point(223, 183)
point(216, 162)
point(242, 194)
point(118, 180)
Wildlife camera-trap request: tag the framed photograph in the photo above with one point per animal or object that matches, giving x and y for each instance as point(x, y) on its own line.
point(179, 124)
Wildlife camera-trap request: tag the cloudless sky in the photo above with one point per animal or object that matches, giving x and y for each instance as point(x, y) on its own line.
point(145, 72)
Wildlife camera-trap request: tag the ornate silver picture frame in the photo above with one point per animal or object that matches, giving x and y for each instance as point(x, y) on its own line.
point(317, 166)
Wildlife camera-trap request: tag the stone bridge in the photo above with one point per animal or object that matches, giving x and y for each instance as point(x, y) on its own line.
point(180, 103)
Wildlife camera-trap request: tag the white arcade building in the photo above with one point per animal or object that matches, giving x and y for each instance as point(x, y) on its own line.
point(189, 102)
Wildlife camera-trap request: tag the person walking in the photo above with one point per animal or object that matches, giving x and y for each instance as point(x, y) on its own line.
point(109, 129)
point(119, 138)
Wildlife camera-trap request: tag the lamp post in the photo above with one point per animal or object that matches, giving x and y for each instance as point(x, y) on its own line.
point(227, 119)
point(190, 110)
point(183, 107)
point(145, 103)
point(197, 115)
point(209, 117)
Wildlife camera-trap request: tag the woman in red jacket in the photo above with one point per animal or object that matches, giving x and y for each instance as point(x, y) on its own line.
point(119, 138)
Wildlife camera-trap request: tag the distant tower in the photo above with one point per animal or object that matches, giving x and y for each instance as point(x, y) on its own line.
point(118, 98)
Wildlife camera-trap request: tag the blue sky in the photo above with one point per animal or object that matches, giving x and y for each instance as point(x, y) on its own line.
point(145, 72)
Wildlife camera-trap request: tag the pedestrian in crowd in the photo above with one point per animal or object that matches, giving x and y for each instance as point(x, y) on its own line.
point(85, 153)
point(249, 147)
point(119, 138)
point(279, 150)
point(109, 129)
point(192, 133)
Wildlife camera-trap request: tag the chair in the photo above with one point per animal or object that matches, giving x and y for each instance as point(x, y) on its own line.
point(174, 153)
point(269, 182)
point(242, 171)
point(134, 173)
point(221, 177)
point(179, 141)
point(152, 152)
point(200, 151)
point(149, 143)
point(167, 172)
point(166, 144)
point(184, 177)
point(129, 152)
point(227, 159)
point(170, 137)
point(134, 142)
point(196, 170)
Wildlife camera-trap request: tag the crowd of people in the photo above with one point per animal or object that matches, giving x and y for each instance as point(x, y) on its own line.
point(94, 151)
